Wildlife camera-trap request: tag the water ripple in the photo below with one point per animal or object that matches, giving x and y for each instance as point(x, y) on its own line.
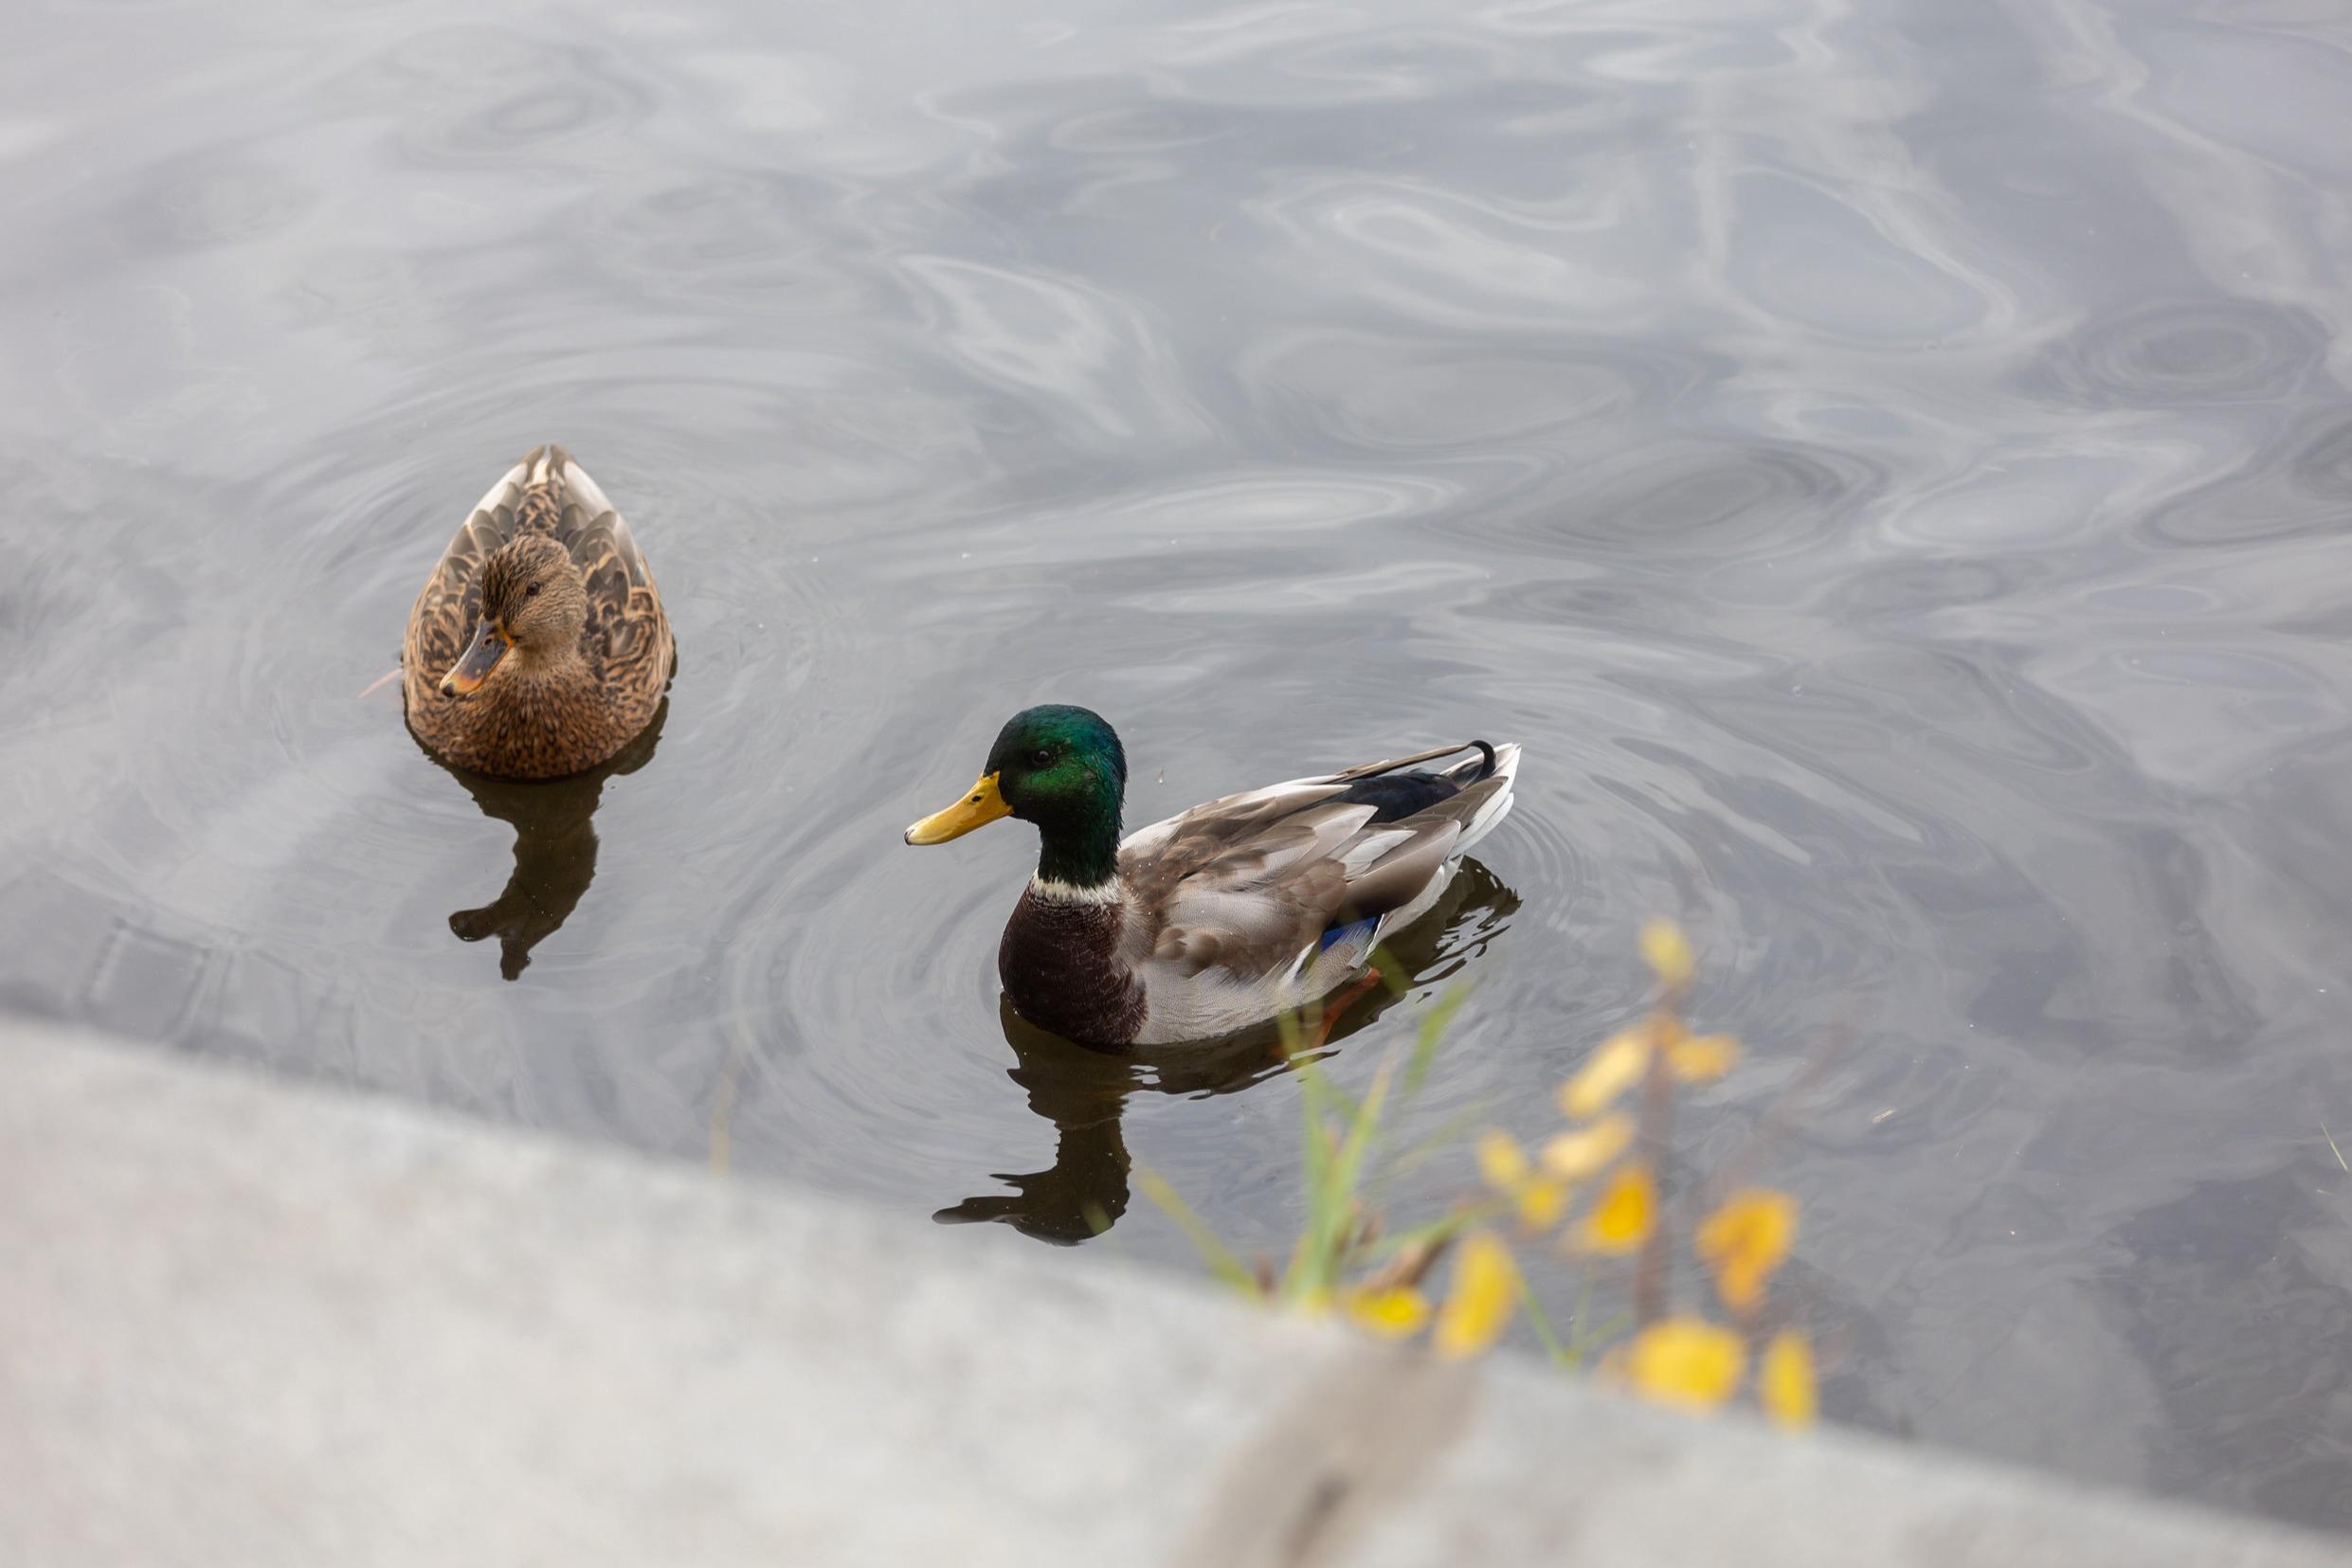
point(2183, 354)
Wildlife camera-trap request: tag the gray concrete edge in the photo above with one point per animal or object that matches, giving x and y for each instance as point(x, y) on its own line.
point(245, 1323)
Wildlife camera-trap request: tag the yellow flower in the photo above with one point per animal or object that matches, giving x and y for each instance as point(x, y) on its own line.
point(1542, 1201)
point(1609, 1071)
point(1392, 1313)
point(1784, 1380)
point(1686, 1361)
point(1500, 1159)
point(1621, 1218)
point(1574, 1156)
point(1745, 1240)
point(1703, 1059)
point(1484, 1289)
point(1667, 953)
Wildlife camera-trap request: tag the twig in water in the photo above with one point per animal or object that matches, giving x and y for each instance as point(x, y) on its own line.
point(723, 1105)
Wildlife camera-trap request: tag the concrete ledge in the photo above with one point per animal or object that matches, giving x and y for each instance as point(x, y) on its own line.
point(247, 1324)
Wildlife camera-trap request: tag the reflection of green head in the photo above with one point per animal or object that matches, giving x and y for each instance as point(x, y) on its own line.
point(1064, 768)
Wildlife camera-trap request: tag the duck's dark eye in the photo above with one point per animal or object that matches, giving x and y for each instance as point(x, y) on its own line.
point(532, 591)
point(1042, 756)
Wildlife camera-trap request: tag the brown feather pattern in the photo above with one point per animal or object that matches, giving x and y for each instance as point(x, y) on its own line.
point(573, 713)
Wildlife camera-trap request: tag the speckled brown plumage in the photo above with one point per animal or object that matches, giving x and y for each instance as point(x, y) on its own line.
point(543, 712)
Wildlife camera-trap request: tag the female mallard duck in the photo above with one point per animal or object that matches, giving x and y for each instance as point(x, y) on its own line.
point(1226, 914)
point(538, 647)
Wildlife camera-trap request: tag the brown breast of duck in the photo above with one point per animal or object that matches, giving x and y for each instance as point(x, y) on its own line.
point(526, 725)
point(1059, 963)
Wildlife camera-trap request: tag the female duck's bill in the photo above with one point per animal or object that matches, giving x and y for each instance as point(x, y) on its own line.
point(482, 655)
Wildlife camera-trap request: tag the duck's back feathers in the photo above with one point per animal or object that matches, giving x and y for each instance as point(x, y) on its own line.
point(628, 633)
point(1261, 901)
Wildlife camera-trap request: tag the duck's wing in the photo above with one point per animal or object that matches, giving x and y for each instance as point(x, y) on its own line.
point(628, 633)
point(1257, 885)
point(443, 622)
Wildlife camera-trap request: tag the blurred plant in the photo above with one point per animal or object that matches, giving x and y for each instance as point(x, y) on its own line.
point(1616, 1160)
point(1342, 1259)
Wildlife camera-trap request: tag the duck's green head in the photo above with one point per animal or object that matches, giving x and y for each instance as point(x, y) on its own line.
point(1061, 767)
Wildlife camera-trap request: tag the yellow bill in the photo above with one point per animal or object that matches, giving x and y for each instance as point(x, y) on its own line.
point(979, 806)
point(480, 656)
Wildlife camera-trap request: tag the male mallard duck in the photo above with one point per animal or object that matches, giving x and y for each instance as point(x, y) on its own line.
point(1221, 916)
point(539, 647)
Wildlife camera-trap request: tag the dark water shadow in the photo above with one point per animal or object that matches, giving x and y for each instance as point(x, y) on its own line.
point(554, 847)
point(1083, 1092)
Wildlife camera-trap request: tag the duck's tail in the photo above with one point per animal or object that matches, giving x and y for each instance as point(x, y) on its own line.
point(548, 481)
point(1482, 769)
point(1496, 769)
point(1490, 762)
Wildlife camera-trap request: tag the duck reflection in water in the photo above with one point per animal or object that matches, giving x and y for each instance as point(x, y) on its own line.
point(554, 847)
point(1083, 1092)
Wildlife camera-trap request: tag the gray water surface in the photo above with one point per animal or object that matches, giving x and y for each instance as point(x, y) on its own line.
point(1891, 467)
